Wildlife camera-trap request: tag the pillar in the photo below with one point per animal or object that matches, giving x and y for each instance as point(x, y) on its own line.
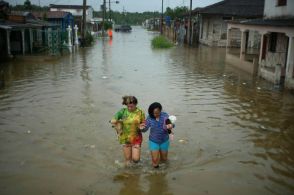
point(290, 58)
point(31, 40)
point(243, 44)
point(261, 48)
point(8, 42)
point(23, 41)
point(228, 38)
point(69, 35)
point(76, 35)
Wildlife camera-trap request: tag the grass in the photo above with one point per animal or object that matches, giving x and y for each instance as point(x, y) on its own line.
point(161, 42)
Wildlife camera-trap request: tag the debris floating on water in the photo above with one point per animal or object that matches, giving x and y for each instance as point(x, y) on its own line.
point(28, 132)
point(183, 141)
point(244, 83)
point(89, 146)
point(104, 77)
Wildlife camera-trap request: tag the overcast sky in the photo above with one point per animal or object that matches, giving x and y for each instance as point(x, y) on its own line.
point(129, 5)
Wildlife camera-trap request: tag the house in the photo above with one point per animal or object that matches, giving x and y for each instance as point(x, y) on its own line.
point(213, 19)
point(274, 59)
point(61, 18)
point(22, 33)
point(77, 12)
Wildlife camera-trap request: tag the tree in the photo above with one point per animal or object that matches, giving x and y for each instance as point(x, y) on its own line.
point(169, 12)
point(27, 4)
point(177, 12)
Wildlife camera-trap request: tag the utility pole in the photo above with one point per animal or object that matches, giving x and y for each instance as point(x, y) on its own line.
point(161, 23)
point(83, 23)
point(103, 20)
point(190, 24)
point(109, 11)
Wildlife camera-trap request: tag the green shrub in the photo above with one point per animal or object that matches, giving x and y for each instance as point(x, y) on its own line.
point(161, 42)
point(88, 39)
point(107, 25)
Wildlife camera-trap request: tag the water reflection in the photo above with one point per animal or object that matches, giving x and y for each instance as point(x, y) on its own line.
point(130, 183)
point(153, 183)
point(158, 184)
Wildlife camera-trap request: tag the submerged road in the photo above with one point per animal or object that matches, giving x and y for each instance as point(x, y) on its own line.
point(234, 133)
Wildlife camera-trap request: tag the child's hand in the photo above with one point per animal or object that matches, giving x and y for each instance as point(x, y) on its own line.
point(169, 126)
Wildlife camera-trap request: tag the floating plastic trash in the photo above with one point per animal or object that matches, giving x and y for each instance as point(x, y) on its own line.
point(183, 141)
point(172, 118)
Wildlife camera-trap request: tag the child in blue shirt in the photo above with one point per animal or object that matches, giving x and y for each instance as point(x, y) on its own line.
point(159, 135)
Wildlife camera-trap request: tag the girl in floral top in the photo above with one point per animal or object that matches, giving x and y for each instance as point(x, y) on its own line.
point(132, 119)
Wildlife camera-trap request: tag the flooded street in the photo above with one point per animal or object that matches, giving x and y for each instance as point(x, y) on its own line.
point(234, 133)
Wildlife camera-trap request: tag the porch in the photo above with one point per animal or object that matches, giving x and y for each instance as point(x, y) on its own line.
point(273, 58)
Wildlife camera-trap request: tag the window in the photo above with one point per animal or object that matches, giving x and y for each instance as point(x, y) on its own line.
point(273, 42)
point(224, 36)
point(281, 2)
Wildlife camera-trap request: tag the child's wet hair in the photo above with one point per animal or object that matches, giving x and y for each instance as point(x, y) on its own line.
point(152, 107)
point(129, 100)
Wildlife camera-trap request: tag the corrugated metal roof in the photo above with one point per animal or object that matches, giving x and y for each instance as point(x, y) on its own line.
point(268, 22)
point(51, 14)
point(68, 6)
point(32, 24)
point(244, 8)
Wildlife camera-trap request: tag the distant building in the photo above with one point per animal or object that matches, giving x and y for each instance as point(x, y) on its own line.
point(23, 33)
point(274, 60)
point(77, 12)
point(60, 18)
point(213, 20)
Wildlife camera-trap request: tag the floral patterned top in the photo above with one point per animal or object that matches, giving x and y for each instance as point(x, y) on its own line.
point(131, 120)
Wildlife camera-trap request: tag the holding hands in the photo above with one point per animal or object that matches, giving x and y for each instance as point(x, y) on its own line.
point(142, 125)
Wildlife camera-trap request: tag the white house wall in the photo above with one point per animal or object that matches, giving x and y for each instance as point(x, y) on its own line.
point(213, 31)
point(235, 35)
point(254, 39)
point(279, 56)
point(271, 10)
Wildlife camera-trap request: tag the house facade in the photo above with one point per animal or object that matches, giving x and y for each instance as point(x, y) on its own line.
point(60, 18)
point(22, 33)
point(275, 57)
point(213, 20)
point(77, 12)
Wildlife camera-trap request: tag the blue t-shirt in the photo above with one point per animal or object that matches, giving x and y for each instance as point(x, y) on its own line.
point(158, 131)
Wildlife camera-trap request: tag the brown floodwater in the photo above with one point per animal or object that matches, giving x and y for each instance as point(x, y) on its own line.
point(234, 133)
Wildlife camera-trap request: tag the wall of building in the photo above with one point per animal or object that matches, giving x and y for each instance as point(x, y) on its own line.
point(279, 56)
point(213, 31)
point(254, 39)
point(271, 10)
